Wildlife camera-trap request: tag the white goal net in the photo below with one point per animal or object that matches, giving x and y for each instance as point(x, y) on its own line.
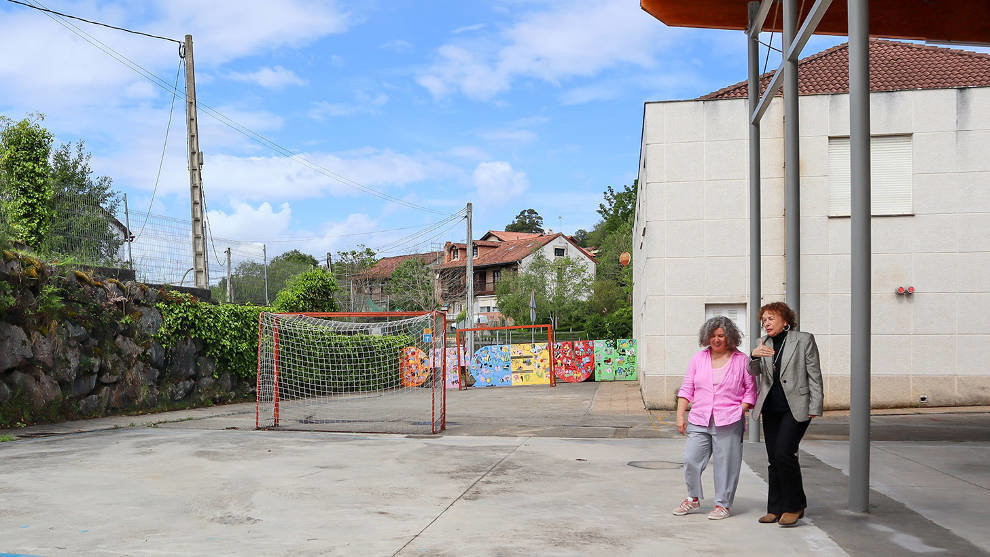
point(373, 372)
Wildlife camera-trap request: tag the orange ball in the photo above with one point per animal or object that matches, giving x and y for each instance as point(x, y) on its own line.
point(624, 258)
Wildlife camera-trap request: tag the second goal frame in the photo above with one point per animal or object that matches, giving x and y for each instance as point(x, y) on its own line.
point(548, 327)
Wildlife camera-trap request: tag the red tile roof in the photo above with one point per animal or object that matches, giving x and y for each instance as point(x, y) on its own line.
point(894, 66)
point(507, 236)
point(511, 251)
point(387, 265)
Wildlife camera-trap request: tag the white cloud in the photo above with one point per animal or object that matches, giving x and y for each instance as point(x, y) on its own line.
point(466, 28)
point(469, 152)
point(496, 182)
point(568, 39)
point(364, 103)
point(280, 178)
point(397, 46)
point(247, 222)
point(275, 77)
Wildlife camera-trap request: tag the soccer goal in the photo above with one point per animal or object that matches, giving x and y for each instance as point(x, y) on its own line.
point(359, 372)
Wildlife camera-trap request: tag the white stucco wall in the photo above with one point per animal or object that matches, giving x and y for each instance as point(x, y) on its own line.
point(691, 241)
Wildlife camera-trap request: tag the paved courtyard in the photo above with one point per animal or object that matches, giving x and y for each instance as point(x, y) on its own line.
point(575, 470)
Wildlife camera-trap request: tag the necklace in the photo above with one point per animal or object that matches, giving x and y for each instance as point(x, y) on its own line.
point(779, 352)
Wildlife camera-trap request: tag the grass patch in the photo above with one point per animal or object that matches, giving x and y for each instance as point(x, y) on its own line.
point(5, 438)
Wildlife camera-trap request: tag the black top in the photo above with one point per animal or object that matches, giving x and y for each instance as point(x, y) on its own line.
point(776, 401)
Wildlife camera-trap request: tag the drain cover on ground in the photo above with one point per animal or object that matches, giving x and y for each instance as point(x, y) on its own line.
point(655, 464)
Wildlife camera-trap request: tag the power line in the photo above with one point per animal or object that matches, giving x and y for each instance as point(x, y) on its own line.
point(161, 162)
point(234, 125)
point(94, 22)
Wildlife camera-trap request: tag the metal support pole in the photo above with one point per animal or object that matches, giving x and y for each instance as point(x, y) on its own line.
point(469, 277)
point(860, 250)
point(755, 248)
point(201, 274)
point(230, 286)
point(792, 163)
point(264, 259)
point(130, 237)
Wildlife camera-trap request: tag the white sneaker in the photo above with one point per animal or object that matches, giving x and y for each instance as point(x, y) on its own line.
point(718, 513)
point(687, 506)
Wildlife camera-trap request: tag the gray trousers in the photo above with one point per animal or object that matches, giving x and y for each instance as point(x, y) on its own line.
point(721, 444)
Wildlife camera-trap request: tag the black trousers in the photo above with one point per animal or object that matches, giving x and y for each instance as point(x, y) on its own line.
point(782, 434)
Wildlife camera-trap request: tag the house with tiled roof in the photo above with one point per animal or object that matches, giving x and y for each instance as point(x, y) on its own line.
point(930, 127)
point(494, 255)
point(372, 282)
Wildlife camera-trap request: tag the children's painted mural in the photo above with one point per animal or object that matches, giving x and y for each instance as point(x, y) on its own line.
point(615, 360)
point(414, 366)
point(604, 352)
point(453, 365)
point(504, 365)
point(491, 366)
point(530, 364)
point(624, 362)
point(574, 361)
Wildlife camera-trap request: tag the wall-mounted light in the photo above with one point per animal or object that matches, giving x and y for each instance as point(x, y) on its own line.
point(904, 290)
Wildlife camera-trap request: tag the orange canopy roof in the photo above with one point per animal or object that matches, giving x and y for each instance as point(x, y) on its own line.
point(964, 21)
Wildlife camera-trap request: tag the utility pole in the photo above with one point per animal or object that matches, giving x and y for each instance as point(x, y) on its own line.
point(230, 287)
point(469, 277)
point(201, 273)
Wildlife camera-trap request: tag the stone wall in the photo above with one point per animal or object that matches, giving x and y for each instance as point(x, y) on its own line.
point(73, 344)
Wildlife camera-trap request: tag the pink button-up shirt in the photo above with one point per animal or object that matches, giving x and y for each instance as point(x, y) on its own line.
point(724, 401)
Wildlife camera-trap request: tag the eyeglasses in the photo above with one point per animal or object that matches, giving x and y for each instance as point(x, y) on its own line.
point(769, 318)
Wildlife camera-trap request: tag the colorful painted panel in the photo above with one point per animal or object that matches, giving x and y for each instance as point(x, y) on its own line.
point(604, 358)
point(490, 366)
point(625, 359)
point(414, 366)
point(573, 361)
point(453, 376)
point(584, 358)
point(530, 364)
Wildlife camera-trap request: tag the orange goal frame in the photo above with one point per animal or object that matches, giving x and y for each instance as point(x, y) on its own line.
point(548, 327)
point(443, 355)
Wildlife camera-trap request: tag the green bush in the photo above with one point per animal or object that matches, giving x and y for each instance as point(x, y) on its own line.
point(325, 360)
point(229, 333)
point(309, 291)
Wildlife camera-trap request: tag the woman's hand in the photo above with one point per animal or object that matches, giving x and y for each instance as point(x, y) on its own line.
point(761, 350)
point(746, 406)
point(681, 423)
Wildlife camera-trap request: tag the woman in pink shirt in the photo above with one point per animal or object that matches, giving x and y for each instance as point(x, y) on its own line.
point(720, 391)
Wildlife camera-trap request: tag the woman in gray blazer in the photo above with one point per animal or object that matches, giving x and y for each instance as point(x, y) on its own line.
point(786, 366)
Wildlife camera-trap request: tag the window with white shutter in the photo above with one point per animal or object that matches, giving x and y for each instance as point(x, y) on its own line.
point(890, 176)
point(735, 312)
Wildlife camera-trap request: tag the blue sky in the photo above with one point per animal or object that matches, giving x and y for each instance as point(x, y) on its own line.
point(509, 104)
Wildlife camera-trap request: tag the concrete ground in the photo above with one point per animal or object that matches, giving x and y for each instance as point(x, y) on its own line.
point(574, 470)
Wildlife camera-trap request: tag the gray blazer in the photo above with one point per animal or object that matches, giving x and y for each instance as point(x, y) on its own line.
point(800, 375)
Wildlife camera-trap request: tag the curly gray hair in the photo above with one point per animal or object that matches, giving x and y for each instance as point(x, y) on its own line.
point(733, 338)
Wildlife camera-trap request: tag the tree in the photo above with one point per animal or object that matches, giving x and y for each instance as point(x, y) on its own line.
point(309, 291)
point(561, 287)
point(581, 237)
point(85, 209)
point(354, 261)
point(526, 221)
point(25, 185)
point(619, 208)
point(411, 288)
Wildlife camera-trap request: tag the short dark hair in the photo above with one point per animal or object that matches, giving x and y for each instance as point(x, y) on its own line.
point(783, 310)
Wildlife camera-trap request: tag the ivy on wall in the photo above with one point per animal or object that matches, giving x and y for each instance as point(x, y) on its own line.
point(229, 333)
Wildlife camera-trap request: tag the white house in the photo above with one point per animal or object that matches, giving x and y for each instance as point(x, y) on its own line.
point(930, 120)
point(498, 252)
